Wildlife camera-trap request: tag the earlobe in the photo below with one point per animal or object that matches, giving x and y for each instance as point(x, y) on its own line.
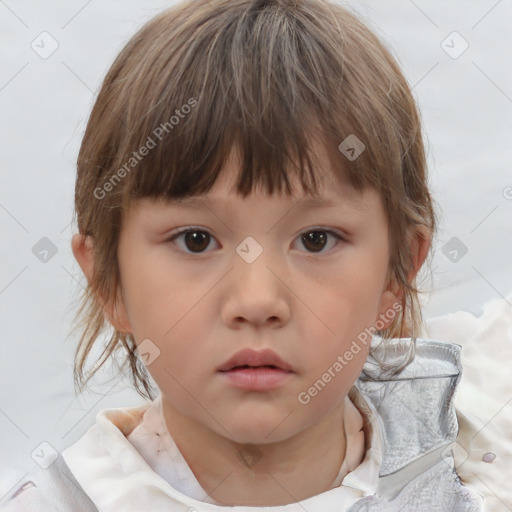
point(419, 250)
point(116, 313)
point(83, 251)
point(390, 307)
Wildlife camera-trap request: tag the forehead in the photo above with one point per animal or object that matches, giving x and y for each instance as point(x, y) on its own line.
point(223, 201)
point(333, 185)
point(212, 199)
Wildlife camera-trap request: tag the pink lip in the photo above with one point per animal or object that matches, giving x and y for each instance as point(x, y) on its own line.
point(256, 370)
point(251, 357)
point(262, 378)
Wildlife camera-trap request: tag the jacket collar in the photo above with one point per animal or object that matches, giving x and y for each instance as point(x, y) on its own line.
point(415, 411)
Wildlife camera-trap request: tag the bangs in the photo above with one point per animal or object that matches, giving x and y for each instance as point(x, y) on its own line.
point(252, 78)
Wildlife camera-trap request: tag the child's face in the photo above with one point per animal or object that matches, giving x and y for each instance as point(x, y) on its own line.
point(200, 308)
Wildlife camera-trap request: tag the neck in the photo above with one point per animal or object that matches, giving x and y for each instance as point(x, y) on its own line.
point(271, 474)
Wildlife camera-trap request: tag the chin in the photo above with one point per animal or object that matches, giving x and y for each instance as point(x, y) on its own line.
point(259, 431)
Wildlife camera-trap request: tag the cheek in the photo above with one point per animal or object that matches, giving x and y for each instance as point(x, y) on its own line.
point(332, 381)
point(347, 306)
point(170, 311)
point(347, 302)
point(159, 300)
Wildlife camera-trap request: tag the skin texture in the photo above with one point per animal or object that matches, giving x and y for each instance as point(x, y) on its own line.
point(201, 308)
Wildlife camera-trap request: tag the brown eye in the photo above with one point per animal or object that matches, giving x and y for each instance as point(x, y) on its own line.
point(317, 239)
point(193, 240)
point(197, 241)
point(314, 240)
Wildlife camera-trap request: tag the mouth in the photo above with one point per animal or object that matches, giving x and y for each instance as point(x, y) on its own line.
point(253, 370)
point(249, 358)
point(243, 366)
point(256, 378)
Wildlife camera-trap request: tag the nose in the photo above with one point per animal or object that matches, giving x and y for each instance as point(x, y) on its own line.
point(256, 293)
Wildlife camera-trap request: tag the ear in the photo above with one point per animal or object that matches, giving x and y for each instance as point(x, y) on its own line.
point(420, 247)
point(116, 313)
point(392, 296)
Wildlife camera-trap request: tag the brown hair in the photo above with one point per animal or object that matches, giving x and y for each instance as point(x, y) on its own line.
point(261, 76)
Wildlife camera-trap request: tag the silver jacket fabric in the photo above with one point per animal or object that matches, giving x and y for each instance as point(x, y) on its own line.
point(418, 425)
point(417, 419)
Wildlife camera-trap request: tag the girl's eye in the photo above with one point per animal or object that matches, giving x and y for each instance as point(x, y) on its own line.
point(196, 240)
point(317, 239)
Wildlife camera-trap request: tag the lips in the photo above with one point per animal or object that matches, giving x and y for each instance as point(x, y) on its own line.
point(248, 357)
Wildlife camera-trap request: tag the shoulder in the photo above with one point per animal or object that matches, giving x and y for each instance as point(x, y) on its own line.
point(414, 410)
point(420, 396)
point(484, 396)
point(432, 358)
point(48, 490)
point(417, 422)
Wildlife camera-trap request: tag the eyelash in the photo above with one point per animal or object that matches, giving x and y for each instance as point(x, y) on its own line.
point(188, 229)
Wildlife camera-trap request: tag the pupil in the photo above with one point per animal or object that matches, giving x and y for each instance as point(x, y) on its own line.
point(314, 237)
point(196, 240)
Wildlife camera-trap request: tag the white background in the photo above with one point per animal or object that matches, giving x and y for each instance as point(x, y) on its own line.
point(466, 105)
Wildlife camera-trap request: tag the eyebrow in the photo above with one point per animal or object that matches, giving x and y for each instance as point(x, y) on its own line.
point(307, 203)
point(315, 202)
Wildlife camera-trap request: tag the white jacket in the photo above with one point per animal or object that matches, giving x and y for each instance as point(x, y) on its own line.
point(411, 421)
